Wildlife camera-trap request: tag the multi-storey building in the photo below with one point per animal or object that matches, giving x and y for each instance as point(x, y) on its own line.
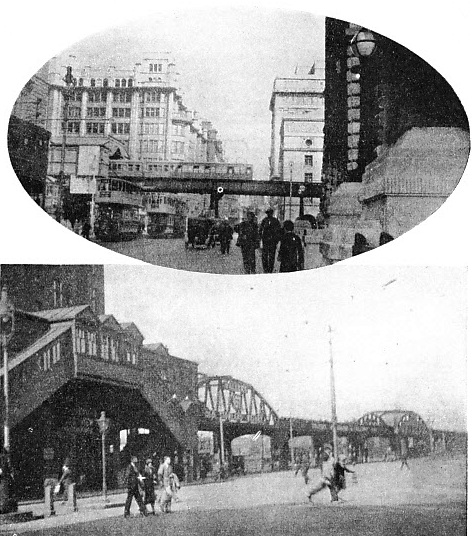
point(135, 114)
point(68, 362)
point(396, 140)
point(297, 106)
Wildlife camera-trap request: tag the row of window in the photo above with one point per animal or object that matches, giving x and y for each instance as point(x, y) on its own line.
point(98, 82)
point(95, 128)
point(50, 356)
point(155, 67)
point(120, 128)
point(152, 128)
point(117, 96)
point(86, 344)
point(152, 146)
point(178, 147)
point(153, 112)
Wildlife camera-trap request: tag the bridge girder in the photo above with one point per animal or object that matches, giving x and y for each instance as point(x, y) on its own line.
point(235, 402)
point(230, 186)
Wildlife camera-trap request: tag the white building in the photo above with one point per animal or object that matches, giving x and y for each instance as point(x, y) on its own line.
point(297, 106)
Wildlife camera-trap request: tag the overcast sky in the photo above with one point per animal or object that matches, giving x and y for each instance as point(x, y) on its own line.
point(399, 334)
point(227, 60)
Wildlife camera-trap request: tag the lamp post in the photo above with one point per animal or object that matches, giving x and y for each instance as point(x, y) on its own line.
point(7, 329)
point(292, 456)
point(103, 425)
point(363, 44)
point(290, 199)
point(334, 419)
point(70, 82)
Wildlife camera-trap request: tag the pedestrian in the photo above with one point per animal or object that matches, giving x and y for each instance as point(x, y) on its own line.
point(65, 480)
point(248, 241)
point(404, 459)
point(270, 234)
point(149, 483)
point(340, 470)
point(327, 477)
point(226, 235)
point(291, 254)
point(165, 480)
point(134, 481)
point(86, 228)
point(305, 466)
point(174, 486)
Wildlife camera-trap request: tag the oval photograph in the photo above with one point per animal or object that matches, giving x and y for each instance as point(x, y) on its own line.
point(212, 144)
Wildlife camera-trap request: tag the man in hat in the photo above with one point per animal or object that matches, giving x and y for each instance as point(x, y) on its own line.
point(134, 481)
point(248, 241)
point(269, 231)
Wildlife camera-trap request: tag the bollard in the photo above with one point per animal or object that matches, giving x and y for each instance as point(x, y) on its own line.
point(49, 501)
point(72, 498)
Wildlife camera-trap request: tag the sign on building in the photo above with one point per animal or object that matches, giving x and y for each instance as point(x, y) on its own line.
point(83, 185)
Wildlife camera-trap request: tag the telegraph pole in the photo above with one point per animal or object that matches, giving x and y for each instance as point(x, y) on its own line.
point(334, 419)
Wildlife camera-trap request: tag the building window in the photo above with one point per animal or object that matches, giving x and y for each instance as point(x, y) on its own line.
point(81, 82)
point(92, 82)
point(73, 127)
point(96, 112)
point(95, 128)
point(308, 142)
point(113, 350)
point(308, 160)
point(121, 112)
point(56, 352)
point(130, 82)
point(308, 177)
point(92, 343)
point(105, 82)
point(117, 82)
point(121, 96)
point(120, 128)
point(57, 293)
point(151, 112)
point(105, 347)
point(123, 82)
point(80, 345)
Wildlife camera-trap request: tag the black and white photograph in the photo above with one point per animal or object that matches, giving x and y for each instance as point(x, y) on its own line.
point(350, 414)
point(208, 143)
point(234, 268)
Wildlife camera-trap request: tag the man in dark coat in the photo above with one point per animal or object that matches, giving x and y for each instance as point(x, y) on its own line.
point(291, 254)
point(134, 482)
point(269, 232)
point(226, 235)
point(248, 241)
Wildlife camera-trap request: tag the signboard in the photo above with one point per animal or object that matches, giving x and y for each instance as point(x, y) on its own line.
point(83, 185)
point(205, 442)
point(89, 160)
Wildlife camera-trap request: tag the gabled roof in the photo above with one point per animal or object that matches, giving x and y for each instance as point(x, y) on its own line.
point(131, 327)
point(53, 333)
point(63, 314)
point(162, 349)
point(111, 322)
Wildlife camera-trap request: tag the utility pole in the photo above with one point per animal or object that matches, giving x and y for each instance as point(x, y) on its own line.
point(334, 419)
point(292, 457)
point(70, 82)
point(290, 201)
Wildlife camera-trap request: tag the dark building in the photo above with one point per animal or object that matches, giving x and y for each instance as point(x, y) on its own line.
point(28, 146)
point(392, 124)
point(68, 362)
point(40, 287)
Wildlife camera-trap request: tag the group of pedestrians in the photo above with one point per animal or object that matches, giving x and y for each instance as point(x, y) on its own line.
point(271, 234)
point(142, 486)
point(333, 475)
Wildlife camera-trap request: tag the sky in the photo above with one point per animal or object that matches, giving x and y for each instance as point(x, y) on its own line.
point(228, 60)
point(398, 334)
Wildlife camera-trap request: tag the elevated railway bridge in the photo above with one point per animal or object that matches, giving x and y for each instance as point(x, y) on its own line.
point(215, 179)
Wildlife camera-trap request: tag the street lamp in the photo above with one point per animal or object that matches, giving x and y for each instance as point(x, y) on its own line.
point(290, 202)
point(334, 419)
point(7, 329)
point(103, 425)
point(363, 44)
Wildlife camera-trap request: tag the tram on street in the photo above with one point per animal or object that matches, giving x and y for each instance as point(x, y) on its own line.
point(118, 204)
point(165, 215)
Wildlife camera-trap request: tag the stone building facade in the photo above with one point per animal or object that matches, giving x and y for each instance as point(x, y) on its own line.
point(297, 106)
point(396, 142)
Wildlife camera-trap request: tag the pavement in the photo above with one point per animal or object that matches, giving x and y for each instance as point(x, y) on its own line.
point(171, 253)
point(432, 486)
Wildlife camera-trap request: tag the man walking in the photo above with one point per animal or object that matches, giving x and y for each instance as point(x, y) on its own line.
point(164, 474)
point(269, 232)
point(327, 477)
point(226, 235)
point(291, 254)
point(248, 241)
point(134, 481)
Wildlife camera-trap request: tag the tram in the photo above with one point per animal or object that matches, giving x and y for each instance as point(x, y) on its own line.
point(118, 203)
point(165, 215)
